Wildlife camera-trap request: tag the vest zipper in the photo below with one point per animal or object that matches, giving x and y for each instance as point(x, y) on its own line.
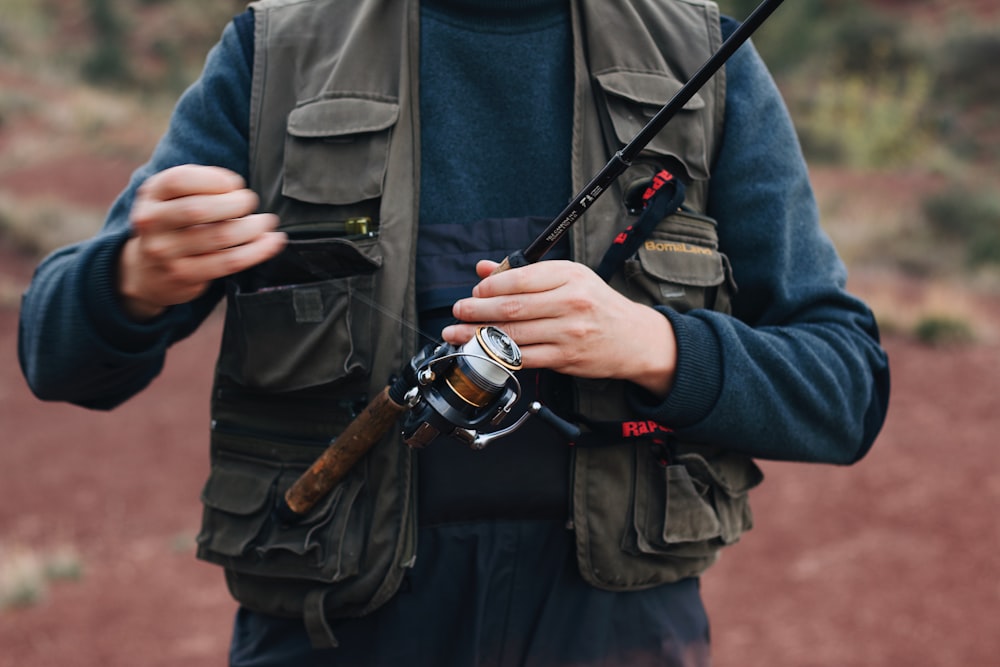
point(229, 428)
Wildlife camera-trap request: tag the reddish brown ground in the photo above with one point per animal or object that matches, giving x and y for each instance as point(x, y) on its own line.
point(892, 562)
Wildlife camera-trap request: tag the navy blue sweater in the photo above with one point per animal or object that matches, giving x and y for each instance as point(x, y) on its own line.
point(797, 373)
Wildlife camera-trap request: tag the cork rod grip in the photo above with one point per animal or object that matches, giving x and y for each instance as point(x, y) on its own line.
point(337, 459)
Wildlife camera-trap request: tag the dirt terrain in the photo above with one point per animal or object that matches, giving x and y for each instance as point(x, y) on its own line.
point(890, 562)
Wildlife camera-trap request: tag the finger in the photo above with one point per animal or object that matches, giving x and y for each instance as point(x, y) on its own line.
point(485, 268)
point(216, 236)
point(459, 334)
point(190, 179)
point(531, 332)
point(493, 309)
point(539, 277)
point(519, 299)
point(207, 267)
point(156, 215)
point(544, 355)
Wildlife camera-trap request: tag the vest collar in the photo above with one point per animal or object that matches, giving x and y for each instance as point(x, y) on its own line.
point(498, 13)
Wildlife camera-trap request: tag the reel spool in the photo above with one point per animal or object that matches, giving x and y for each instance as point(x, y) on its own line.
point(455, 391)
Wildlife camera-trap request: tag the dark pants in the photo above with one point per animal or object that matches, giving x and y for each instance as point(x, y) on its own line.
point(496, 594)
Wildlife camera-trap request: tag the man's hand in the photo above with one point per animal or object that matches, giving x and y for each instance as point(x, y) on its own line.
point(564, 317)
point(191, 224)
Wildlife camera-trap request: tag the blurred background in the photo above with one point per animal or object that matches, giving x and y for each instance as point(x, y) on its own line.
point(889, 562)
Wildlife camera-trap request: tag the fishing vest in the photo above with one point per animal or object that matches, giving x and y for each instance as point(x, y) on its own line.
point(310, 336)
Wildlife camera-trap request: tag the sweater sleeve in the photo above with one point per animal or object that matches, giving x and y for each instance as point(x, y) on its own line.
point(797, 372)
point(75, 342)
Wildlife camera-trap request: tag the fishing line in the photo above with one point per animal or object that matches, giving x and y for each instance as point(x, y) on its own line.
point(396, 318)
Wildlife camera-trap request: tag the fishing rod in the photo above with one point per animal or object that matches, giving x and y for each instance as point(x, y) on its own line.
point(622, 159)
point(454, 391)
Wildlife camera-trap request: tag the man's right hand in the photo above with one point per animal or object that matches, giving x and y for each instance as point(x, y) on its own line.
point(190, 224)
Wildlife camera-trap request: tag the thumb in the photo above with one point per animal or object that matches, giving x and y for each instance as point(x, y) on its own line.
point(485, 268)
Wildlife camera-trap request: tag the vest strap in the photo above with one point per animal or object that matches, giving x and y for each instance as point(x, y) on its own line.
point(603, 433)
point(319, 630)
point(664, 195)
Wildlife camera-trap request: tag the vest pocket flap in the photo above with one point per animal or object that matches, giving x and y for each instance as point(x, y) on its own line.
point(237, 499)
point(341, 117)
point(237, 488)
point(336, 151)
point(734, 480)
point(646, 88)
point(633, 98)
point(674, 260)
point(683, 249)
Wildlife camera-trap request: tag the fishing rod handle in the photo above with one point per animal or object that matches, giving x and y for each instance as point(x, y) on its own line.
point(340, 456)
point(511, 261)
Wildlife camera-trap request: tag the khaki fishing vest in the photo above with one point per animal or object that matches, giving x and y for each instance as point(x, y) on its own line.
point(334, 127)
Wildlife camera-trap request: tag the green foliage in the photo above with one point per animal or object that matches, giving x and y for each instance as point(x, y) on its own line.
point(966, 89)
point(801, 32)
point(967, 73)
point(23, 26)
point(857, 89)
point(108, 60)
point(154, 47)
point(970, 217)
point(874, 120)
point(943, 330)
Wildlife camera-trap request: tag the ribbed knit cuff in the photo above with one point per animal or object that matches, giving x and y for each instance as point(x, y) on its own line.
point(697, 380)
point(102, 303)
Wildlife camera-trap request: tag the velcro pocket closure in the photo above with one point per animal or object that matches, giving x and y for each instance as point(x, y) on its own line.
point(336, 150)
point(633, 98)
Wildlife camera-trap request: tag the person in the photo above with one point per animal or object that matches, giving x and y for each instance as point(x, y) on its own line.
point(346, 176)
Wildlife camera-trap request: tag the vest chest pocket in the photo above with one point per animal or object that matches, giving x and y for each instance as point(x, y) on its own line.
point(679, 266)
point(633, 98)
point(301, 320)
point(336, 150)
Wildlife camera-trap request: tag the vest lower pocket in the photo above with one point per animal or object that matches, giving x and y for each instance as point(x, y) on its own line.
point(690, 507)
point(242, 531)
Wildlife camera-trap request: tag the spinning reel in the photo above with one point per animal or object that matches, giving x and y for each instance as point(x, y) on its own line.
point(443, 390)
point(457, 391)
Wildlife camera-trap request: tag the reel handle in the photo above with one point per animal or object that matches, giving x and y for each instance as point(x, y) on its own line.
point(343, 452)
point(569, 431)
